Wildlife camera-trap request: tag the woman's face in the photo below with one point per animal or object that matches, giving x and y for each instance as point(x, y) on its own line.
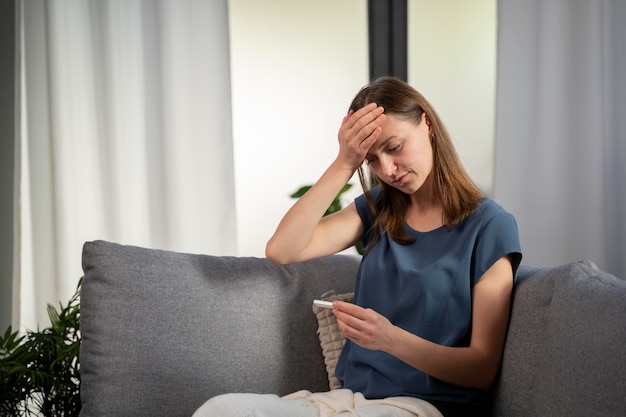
point(402, 155)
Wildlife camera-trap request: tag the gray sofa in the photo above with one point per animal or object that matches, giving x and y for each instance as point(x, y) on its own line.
point(163, 331)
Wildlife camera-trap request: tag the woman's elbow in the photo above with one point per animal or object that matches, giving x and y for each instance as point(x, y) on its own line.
point(275, 255)
point(484, 380)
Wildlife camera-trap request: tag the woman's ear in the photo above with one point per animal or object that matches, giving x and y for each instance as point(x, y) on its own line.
point(427, 120)
point(431, 133)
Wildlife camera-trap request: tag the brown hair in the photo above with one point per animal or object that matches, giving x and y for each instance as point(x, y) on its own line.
point(458, 194)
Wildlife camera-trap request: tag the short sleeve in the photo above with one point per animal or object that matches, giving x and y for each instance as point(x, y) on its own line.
point(499, 237)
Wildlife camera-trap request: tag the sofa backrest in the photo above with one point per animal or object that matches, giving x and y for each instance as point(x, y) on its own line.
point(162, 332)
point(565, 353)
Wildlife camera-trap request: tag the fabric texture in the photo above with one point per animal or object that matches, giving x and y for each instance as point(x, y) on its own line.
point(564, 353)
point(345, 401)
point(331, 337)
point(126, 114)
point(336, 403)
point(425, 288)
point(164, 331)
point(565, 182)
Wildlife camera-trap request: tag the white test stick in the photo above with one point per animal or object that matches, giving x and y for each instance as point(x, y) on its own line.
point(323, 304)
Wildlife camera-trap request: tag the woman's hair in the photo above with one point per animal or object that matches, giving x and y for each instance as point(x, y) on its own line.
point(458, 194)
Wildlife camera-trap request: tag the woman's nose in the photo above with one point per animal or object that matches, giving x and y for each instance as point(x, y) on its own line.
point(388, 166)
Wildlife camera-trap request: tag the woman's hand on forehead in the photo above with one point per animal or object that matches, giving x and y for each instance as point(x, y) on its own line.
point(358, 132)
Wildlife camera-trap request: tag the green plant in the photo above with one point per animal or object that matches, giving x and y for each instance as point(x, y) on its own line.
point(40, 371)
point(334, 206)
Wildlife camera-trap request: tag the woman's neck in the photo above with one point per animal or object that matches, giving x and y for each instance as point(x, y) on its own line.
point(425, 213)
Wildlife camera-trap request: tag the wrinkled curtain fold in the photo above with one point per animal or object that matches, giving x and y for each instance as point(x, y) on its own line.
point(560, 128)
point(127, 135)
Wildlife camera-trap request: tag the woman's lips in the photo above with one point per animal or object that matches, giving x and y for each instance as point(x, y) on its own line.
point(400, 179)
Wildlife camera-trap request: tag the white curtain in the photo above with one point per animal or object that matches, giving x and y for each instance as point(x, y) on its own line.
point(126, 135)
point(561, 128)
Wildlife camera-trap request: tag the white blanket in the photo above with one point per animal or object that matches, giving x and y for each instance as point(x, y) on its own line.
point(345, 402)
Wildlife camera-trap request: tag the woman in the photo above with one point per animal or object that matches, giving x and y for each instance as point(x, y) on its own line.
point(432, 297)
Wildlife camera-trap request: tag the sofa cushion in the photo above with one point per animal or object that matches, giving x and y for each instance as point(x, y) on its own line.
point(162, 331)
point(565, 344)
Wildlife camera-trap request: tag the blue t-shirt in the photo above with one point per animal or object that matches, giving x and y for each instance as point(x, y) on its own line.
point(425, 288)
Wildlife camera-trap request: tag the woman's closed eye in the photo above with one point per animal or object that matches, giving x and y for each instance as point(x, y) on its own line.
point(394, 148)
point(370, 159)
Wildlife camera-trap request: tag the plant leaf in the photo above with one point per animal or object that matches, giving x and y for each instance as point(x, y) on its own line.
point(300, 191)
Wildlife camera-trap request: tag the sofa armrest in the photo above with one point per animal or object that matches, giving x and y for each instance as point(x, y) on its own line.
point(565, 352)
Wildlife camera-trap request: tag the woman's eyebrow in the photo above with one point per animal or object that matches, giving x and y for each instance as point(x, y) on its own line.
point(379, 146)
point(385, 142)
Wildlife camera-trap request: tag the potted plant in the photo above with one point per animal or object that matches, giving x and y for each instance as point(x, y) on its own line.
point(40, 371)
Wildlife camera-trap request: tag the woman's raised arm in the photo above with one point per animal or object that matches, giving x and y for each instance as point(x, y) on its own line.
point(304, 233)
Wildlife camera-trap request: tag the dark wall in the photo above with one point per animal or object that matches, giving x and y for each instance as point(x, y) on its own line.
point(8, 126)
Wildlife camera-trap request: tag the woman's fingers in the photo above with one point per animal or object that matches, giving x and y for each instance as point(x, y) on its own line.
point(369, 110)
point(355, 121)
point(359, 131)
point(365, 120)
point(363, 326)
